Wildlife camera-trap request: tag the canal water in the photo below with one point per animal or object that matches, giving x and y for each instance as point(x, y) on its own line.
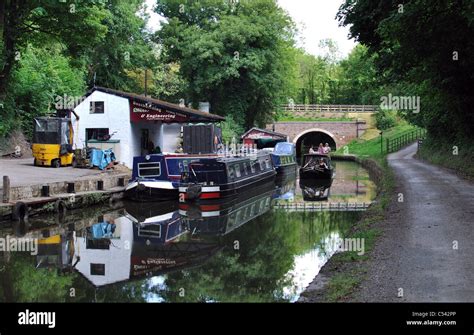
point(265, 246)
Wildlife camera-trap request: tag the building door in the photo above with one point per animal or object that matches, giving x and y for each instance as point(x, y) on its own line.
point(144, 141)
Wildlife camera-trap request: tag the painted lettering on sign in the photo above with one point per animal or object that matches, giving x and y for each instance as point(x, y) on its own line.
point(140, 111)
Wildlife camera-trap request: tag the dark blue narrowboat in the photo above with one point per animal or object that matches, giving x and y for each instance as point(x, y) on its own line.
point(156, 177)
point(220, 218)
point(223, 177)
point(155, 222)
point(284, 158)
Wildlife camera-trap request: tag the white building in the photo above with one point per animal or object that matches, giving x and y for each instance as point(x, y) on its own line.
point(135, 123)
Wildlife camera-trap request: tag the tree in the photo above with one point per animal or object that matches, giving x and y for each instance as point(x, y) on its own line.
point(125, 48)
point(77, 25)
point(236, 55)
point(424, 50)
point(358, 78)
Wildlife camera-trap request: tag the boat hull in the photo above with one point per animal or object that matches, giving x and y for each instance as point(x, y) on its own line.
point(316, 174)
point(151, 191)
point(218, 192)
point(286, 169)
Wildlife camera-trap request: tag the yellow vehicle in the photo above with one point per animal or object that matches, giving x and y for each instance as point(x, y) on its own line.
point(52, 142)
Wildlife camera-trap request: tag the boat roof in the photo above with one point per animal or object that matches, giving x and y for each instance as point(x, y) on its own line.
point(318, 155)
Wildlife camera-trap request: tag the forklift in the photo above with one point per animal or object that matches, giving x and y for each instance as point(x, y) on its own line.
point(53, 140)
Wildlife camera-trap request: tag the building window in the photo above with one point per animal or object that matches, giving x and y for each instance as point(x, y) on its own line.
point(97, 269)
point(97, 134)
point(97, 107)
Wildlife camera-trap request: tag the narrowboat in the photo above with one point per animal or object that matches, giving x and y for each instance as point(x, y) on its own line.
point(284, 158)
point(315, 189)
point(316, 166)
point(156, 177)
point(222, 218)
point(224, 177)
point(285, 188)
point(155, 222)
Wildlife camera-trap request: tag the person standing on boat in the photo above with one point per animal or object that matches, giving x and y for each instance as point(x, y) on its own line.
point(311, 150)
point(326, 149)
point(321, 149)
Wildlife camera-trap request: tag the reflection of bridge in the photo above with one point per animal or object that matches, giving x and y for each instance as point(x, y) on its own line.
point(322, 206)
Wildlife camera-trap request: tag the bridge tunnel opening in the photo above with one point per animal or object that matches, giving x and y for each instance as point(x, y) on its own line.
point(313, 138)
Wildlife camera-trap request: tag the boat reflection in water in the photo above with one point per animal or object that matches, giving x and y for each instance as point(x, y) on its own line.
point(285, 188)
point(315, 189)
point(151, 239)
point(148, 239)
point(220, 218)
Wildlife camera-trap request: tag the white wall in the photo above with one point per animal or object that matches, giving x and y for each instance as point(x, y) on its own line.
point(171, 132)
point(117, 259)
point(116, 117)
point(154, 133)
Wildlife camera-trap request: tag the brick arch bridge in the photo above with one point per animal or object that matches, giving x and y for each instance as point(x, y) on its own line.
point(307, 133)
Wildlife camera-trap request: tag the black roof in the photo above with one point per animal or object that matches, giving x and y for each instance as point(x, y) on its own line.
point(318, 155)
point(196, 115)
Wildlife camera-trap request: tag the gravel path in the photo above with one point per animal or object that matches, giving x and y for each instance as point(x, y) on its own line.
point(426, 253)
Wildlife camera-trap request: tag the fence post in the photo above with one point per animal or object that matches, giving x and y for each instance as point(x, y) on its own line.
point(388, 145)
point(6, 189)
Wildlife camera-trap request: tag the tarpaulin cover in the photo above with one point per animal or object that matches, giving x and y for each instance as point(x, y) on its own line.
point(102, 158)
point(103, 230)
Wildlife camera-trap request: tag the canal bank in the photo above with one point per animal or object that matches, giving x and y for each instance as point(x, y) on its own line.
point(35, 190)
point(254, 249)
point(344, 271)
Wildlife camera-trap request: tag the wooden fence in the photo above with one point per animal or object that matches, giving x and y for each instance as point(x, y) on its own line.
point(395, 144)
point(322, 206)
point(302, 109)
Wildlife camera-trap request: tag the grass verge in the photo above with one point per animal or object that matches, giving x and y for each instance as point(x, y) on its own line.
point(455, 156)
point(372, 148)
point(352, 266)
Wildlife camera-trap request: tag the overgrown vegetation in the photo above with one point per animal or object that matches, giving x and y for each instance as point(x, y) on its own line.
point(385, 119)
point(422, 50)
point(458, 157)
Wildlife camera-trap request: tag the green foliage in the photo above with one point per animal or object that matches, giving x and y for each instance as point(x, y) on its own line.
point(423, 48)
point(329, 80)
point(56, 48)
point(38, 80)
point(125, 47)
point(452, 155)
point(371, 148)
point(231, 130)
point(385, 119)
point(235, 56)
point(37, 285)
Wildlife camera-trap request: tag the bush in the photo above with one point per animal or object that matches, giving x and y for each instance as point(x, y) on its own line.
point(385, 119)
point(231, 129)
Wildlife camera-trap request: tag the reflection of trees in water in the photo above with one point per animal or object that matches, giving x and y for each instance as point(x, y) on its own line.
point(22, 282)
point(257, 271)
